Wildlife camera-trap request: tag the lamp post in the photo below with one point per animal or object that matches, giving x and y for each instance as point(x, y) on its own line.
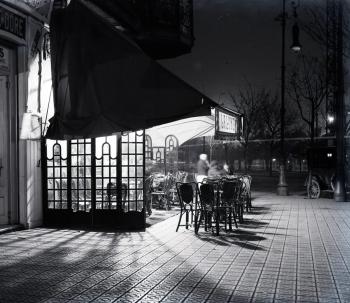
point(339, 190)
point(282, 187)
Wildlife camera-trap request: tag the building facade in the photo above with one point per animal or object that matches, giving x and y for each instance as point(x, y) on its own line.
point(22, 75)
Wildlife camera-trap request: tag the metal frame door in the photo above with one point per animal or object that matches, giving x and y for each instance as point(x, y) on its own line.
point(95, 182)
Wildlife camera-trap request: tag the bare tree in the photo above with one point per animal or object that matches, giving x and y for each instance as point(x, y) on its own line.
point(321, 24)
point(308, 89)
point(249, 102)
point(270, 125)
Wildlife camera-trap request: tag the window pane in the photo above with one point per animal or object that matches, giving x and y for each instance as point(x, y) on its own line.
point(131, 148)
point(131, 171)
point(74, 149)
point(131, 160)
point(106, 172)
point(106, 160)
point(50, 195)
point(139, 160)
point(139, 171)
point(124, 148)
point(57, 172)
point(124, 171)
point(113, 171)
point(131, 137)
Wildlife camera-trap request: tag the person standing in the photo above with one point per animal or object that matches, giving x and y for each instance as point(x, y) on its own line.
point(202, 167)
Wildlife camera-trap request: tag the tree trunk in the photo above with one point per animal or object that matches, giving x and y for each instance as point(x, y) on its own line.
point(312, 126)
point(271, 151)
point(246, 158)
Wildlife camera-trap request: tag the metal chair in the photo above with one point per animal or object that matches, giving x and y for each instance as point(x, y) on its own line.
point(230, 201)
point(208, 197)
point(187, 194)
point(246, 191)
point(148, 193)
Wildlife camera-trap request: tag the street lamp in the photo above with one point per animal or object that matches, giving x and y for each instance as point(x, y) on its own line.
point(296, 47)
point(282, 187)
point(330, 119)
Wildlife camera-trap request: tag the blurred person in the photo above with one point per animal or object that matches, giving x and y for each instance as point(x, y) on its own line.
point(202, 167)
point(216, 170)
point(228, 169)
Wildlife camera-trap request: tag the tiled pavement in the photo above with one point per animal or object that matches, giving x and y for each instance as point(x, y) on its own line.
point(289, 249)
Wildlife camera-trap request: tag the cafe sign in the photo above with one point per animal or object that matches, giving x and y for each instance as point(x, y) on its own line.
point(12, 23)
point(228, 124)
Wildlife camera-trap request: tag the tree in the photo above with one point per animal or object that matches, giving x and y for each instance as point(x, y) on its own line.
point(321, 24)
point(248, 102)
point(308, 89)
point(271, 125)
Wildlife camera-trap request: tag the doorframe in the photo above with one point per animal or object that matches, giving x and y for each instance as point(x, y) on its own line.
point(12, 133)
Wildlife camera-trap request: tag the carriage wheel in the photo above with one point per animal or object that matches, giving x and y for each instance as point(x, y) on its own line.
point(314, 189)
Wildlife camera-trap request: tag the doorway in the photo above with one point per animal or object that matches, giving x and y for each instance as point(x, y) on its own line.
point(95, 182)
point(4, 150)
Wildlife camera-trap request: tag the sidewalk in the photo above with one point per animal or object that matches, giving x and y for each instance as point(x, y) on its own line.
point(290, 249)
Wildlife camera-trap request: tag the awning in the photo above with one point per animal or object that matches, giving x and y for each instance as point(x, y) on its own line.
point(104, 83)
point(183, 130)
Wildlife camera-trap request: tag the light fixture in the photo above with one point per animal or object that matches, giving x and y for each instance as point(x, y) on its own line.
point(330, 119)
point(296, 46)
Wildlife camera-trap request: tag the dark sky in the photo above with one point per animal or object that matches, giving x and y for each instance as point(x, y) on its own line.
point(237, 39)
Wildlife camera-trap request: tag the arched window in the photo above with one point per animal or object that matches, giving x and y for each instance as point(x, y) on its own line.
point(171, 143)
point(148, 147)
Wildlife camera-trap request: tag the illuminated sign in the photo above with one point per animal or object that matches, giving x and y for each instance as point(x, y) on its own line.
point(228, 125)
point(12, 23)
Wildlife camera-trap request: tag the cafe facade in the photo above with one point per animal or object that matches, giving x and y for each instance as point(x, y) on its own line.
point(73, 154)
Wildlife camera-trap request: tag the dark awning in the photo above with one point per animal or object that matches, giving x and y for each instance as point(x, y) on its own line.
point(104, 83)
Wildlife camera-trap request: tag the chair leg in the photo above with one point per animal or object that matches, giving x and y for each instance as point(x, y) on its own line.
point(178, 225)
point(230, 219)
point(187, 219)
point(205, 220)
point(197, 222)
point(191, 210)
point(234, 216)
point(240, 217)
point(217, 219)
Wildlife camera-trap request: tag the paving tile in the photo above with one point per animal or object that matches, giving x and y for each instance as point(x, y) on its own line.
point(304, 257)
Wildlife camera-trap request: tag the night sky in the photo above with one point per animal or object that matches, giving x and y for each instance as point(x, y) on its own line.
point(237, 40)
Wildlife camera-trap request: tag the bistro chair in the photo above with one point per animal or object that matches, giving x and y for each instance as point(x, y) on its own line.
point(148, 193)
point(246, 191)
point(158, 199)
point(187, 194)
point(208, 197)
point(169, 190)
point(230, 200)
